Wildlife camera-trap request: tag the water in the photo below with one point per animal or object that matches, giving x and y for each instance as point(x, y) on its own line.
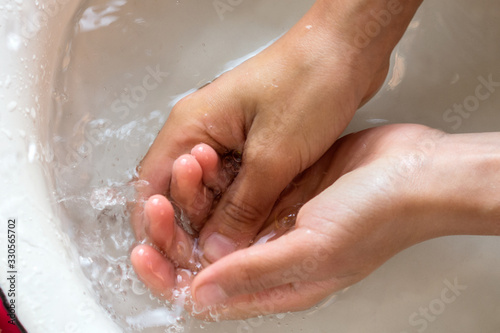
point(123, 67)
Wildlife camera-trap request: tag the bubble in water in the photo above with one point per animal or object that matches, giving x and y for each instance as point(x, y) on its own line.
point(138, 287)
point(105, 197)
point(280, 316)
point(231, 162)
point(288, 217)
point(284, 222)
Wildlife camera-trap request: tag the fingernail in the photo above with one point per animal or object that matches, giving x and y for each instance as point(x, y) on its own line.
point(217, 246)
point(210, 294)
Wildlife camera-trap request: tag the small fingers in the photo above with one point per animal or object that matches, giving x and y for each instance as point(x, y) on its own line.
point(154, 270)
point(197, 180)
point(165, 233)
point(188, 191)
point(214, 176)
point(158, 273)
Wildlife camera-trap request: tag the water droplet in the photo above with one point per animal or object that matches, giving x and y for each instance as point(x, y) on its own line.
point(12, 106)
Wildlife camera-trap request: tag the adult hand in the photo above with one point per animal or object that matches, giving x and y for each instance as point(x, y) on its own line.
point(393, 187)
point(281, 109)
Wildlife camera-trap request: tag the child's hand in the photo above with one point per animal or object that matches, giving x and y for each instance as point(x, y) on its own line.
point(281, 109)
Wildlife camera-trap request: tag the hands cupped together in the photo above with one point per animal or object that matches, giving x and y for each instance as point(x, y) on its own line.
point(254, 207)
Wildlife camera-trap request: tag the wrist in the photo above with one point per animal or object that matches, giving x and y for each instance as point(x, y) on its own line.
point(361, 34)
point(461, 186)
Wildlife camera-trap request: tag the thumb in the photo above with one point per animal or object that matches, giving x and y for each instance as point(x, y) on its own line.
point(245, 205)
point(294, 258)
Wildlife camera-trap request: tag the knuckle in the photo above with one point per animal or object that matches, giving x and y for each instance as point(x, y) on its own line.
point(241, 215)
point(282, 162)
point(260, 154)
point(181, 107)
